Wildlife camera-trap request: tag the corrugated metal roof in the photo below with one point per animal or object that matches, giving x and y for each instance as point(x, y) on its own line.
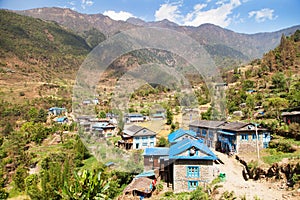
point(180, 132)
point(156, 151)
point(207, 123)
point(187, 144)
point(135, 130)
point(61, 119)
point(290, 113)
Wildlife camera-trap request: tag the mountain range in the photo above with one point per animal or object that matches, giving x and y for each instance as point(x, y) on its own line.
point(224, 45)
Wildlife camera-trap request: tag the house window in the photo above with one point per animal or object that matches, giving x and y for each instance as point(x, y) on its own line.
point(203, 132)
point(192, 171)
point(145, 144)
point(192, 185)
point(137, 138)
point(209, 143)
point(254, 136)
point(244, 137)
point(144, 139)
point(210, 134)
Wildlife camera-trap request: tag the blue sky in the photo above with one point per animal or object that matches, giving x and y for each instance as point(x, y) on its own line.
point(244, 16)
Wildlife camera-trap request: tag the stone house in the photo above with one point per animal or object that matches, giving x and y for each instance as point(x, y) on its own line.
point(206, 130)
point(186, 164)
point(193, 164)
point(235, 137)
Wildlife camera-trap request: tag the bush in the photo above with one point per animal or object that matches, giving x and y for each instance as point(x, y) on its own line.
point(3, 194)
point(281, 146)
point(168, 194)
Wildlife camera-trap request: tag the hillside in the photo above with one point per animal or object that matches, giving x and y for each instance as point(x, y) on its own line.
point(239, 47)
point(35, 52)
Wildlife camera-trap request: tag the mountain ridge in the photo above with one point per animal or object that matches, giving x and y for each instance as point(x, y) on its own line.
point(250, 46)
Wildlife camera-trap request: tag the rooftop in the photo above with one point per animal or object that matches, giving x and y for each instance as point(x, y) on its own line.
point(207, 123)
point(135, 130)
point(187, 144)
point(180, 132)
point(156, 151)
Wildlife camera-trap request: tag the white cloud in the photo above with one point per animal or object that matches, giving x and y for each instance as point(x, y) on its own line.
point(168, 11)
point(85, 3)
point(219, 15)
point(72, 3)
point(262, 15)
point(122, 15)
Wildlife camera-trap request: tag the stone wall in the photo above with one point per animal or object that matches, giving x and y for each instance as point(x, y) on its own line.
point(180, 178)
point(249, 145)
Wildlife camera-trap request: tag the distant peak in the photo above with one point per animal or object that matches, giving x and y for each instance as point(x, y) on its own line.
point(136, 21)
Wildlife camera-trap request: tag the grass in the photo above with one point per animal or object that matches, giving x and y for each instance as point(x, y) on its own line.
point(90, 163)
point(278, 156)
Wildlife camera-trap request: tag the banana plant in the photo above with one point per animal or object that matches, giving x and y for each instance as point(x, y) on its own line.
point(86, 185)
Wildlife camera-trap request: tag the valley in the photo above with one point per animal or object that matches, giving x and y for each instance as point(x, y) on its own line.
point(42, 50)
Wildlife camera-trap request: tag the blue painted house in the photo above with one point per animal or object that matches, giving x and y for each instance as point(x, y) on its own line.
point(56, 111)
point(237, 137)
point(187, 163)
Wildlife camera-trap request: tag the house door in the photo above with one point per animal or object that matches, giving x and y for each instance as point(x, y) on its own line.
point(151, 144)
point(137, 145)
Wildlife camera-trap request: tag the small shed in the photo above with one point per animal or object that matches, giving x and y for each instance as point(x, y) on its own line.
point(139, 187)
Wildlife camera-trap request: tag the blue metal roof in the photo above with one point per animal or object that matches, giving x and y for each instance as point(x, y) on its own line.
point(180, 132)
point(61, 119)
point(226, 133)
point(109, 164)
point(156, 151)
point(56, 108)
point(187, 144)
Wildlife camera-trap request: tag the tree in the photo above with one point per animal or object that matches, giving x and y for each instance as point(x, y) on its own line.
point(273, 106)
point(162, 142)
point(279, 81)
point(42, 116)
point(102, 115)
point(19, 177)
point(297, 36)
point(169, 117)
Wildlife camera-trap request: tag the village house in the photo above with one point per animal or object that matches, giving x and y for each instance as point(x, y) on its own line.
point(103, 129)
point(56, 111)
point(137, 137)
point(186, 164)
point(206, 130)
point(134, 117)
point(291, 117)
point(152, 157)
point(235, 137)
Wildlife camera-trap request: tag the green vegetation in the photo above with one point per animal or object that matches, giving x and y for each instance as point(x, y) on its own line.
point(46, 47)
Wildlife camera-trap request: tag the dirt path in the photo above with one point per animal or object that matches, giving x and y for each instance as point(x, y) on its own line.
point(249, 189)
